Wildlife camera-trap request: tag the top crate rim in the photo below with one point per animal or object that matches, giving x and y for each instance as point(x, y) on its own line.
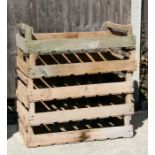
point(71, 42)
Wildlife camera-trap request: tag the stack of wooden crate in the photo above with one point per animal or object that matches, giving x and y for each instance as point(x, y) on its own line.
point(75, 86)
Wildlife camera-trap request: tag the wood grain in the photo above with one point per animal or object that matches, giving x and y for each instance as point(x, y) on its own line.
point(33, 140)
point(61, 16)
point(81, 68)
point(35, 119)
point(79, 91)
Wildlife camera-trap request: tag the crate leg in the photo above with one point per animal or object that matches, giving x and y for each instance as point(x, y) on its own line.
point(128, 99)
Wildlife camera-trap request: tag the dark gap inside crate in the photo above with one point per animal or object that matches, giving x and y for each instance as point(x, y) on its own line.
point(79, 80)
point(96, 56)
point(25, 57)
point(22, 33)
point(70, 104)
point(79, 125)
point(83, 57)
point(117, 33)
point(60, 58)
point(18, 79)
point(72, 58)
point(51, 59)
point(109, 56)
point(47, 59)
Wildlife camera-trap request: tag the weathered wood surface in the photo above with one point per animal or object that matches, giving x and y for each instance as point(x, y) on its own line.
point(78, 91)
point(21, 93)
point(71, 45)
point(45, 70)
point(62, 35)
point(45, 94)
point(33, 140)
point(81, 68)
point(60, 16)
point(35, 119)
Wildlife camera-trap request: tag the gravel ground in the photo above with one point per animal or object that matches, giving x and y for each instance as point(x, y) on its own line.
point(137, 145)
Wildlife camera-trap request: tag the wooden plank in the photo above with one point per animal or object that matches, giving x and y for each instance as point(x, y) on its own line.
point(22, 76)
point(22, 65)
point(22, 112)
point(82, 68)
point(79, 91)
point(129, 97)
point(21, 93)
point(74, 45)
point(118, 27)
point(80, 114)
point(80, 135)
point(23, 132)
point(52, 36)
point(32, 62)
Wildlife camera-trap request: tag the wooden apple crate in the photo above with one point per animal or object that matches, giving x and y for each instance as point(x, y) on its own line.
point(76, 77)
point(75, 131)
point(74, 102)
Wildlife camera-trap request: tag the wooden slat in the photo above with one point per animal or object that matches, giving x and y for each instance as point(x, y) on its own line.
point(74, 45)
point(22, 112)
point(102, 57)
point(78, 58)
point(22, 65)
point(42, 60)
point(22, 76)
point(82, 68)
point(45, 83)
point(66, 58)
point(42, 102)
point(90, 57)
point(54, 59)
point(118, 28)
point(79, 91)
point(128, 100)
point(116, 55)
point(47, 36)
point(23, 132)
point(21, 42)
point(21, 93)
point(79, 114)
